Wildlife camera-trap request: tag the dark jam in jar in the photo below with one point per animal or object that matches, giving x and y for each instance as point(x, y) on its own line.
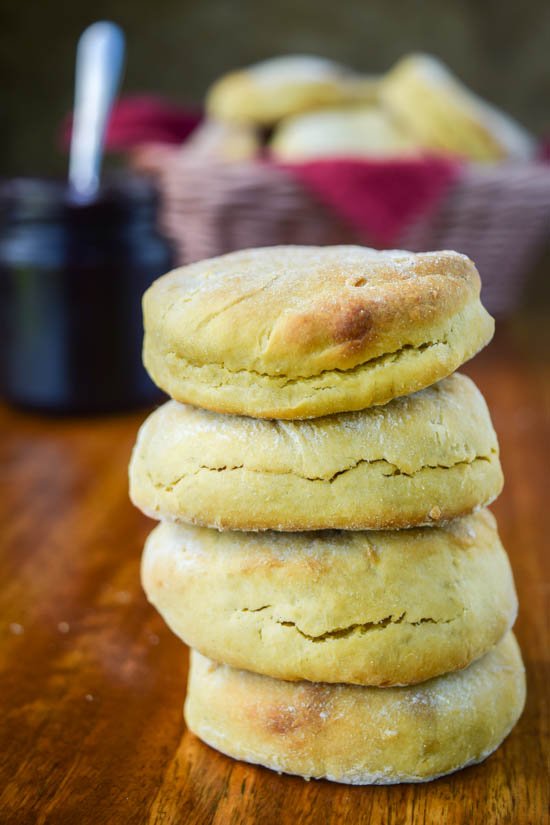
point(71, 280)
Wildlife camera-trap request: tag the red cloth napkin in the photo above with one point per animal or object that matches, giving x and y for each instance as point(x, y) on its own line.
point(142, 119)
point(379, 198)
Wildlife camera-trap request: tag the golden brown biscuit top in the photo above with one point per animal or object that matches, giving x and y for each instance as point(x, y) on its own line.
point(296, 311)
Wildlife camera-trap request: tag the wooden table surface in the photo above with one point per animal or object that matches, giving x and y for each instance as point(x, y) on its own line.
point(92, 683)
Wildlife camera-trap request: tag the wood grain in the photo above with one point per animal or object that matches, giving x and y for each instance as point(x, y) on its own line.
point(92, 683)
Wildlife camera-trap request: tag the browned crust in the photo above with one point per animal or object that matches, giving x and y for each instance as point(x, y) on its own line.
point(297, 311)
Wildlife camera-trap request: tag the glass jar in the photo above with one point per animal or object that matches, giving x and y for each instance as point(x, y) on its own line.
point(71, 280)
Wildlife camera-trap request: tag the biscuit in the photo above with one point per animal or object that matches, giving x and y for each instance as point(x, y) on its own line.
point(442, 114)
point(264, 93)
point(359, 735)
point(418, 460)
point(367, 608)
point(296, 332)
point(220, 141)
point(366, 131)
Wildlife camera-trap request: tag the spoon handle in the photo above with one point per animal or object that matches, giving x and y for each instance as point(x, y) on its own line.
point(99, 61)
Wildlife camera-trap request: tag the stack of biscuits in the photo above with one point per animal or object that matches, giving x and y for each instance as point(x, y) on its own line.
point(321, 478)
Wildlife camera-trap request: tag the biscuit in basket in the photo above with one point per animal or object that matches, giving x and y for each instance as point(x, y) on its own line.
point(418, 460)
point(359, 735)
point(220, 141)
point(298, 331)
point(358, 131)
point(369, 608)
point(444, 115)
point(268, 91)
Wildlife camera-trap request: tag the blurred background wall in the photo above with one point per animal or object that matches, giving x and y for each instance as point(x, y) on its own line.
point(501, 48)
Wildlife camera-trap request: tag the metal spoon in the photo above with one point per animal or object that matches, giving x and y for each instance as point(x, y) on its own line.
point(99, 62)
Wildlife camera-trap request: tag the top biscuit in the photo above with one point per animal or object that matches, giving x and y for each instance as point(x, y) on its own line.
point(266, 92)
point(297, 332)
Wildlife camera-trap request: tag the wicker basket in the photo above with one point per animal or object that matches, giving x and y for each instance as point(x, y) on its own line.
point(498, 215)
